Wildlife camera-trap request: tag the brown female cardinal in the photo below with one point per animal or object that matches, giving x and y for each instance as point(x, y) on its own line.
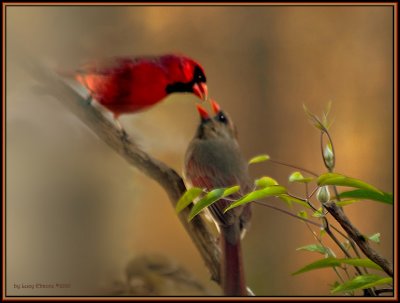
point(128, 85)
point(213, 159)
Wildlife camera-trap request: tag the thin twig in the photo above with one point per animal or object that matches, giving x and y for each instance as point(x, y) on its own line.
point(338, 213)
point(327, 250)
point(338, 243)
point(288, 213)
point(335, 190)
point(333, 227)
point(368, 291)
point(384, 290)
point(313, 192)
point(293, 166)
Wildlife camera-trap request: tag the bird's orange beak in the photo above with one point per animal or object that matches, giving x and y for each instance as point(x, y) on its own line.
point(215, 106)
point(200, 90)
point(202, 112)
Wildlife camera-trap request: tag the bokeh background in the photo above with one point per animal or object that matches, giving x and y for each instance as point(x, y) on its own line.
point(77, 213)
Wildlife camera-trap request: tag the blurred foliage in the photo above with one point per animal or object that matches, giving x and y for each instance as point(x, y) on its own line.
point(157, 275)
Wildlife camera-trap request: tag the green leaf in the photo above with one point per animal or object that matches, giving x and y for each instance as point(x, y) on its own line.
point(368, 194)
point(298, 177)
point(295, 176)
point(346, 244)
point(318, 248)
point(286, 199)
point(362, 282)
point(347, 202)
point(269, 191)
point(290, 199)
point(265, 181)
point(327, 262)
point(302, 214)
point(333, 262)
point(341, 180)
point(325, 116)
point(387, 280)
point(361, 263)
point(187, 198)
point(318, 213)
point(335, 284)
point(314, 119)
point(375, 238)
point(206, 201)
point(231, 190)
point(326, 112)
point(314, 247)
point(258, 159)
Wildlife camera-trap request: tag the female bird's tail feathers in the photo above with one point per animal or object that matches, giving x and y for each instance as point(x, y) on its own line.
point(232, 273)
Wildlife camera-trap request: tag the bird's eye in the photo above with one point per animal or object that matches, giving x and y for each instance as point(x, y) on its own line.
point(199, 75)
point(222, 118)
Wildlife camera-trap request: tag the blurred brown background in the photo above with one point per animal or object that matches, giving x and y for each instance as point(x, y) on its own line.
point(77, 213)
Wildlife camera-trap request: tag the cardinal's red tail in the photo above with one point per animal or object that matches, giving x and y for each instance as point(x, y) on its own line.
point(232, 273)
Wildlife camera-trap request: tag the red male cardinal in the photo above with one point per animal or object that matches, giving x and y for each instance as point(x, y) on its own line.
point(127, 85)
point(213, 159)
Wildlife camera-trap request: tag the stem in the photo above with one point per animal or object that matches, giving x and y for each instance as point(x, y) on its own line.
point(312, 193)
point(337, 242)
point(294, 166)
point(320, 242)
point(384, 290)
point(330, 169)
point(368, 291)
point(287, 213)
point(358, 238)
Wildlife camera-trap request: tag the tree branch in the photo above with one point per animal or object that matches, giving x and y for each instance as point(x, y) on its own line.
point(168, 178)
point(338, 213)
